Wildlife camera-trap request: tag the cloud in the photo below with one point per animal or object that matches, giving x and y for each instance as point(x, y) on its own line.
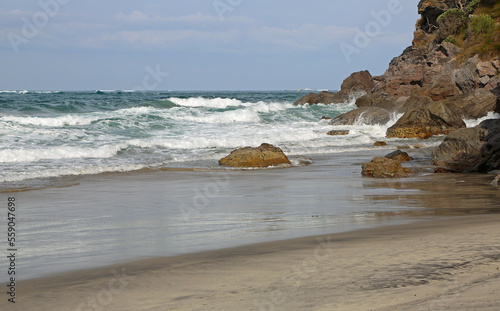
point(196, 18)
point(135, 16)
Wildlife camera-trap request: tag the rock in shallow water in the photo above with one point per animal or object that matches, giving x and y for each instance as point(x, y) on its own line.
point(385, 168)
point(399, 156)
point(424, 122)
point(470, 150)
point(263, 156)
point(338, 132)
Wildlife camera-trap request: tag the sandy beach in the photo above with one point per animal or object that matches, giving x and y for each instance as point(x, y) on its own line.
point(447, 264)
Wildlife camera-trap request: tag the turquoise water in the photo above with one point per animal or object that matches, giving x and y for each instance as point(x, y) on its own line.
point(46, 135)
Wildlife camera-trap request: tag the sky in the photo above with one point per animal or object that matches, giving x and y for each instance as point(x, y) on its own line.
point(198, 44)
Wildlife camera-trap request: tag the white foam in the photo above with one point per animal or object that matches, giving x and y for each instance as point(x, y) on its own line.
point(15, 92)
point(66, 120)
point(208, 102)
point(57, 153)
point(70, 171)
point(474, 123)
point(234, 116)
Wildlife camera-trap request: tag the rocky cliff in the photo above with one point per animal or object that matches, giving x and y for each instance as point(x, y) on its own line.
point(453, 60)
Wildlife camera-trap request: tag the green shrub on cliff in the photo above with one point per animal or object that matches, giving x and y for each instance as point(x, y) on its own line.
point(451, 39)
point(450, 23)
point(472, 6)
point(481, 24)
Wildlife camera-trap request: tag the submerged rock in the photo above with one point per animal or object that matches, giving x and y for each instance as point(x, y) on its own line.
point(380, 143)
point(263, 156)
point(338, 132)
point(385, 168)
point(470, 150)
point(399, 156)
point(364, 115)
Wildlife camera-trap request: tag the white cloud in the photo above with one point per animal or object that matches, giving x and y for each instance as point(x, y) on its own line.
point(197, 18)
point(135, 16)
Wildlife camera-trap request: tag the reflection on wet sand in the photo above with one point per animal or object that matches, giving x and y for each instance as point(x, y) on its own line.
point(440, 194)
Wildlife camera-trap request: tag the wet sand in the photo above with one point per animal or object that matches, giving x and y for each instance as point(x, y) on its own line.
point(450, 264)
point(447, 259)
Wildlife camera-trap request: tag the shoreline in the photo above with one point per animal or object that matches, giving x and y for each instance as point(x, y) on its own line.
point(318, 271)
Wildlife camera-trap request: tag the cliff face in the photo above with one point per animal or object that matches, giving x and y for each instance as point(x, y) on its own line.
point(454, 54)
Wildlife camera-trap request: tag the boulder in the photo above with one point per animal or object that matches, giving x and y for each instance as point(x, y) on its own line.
point(442, 87)
point(474, 105)
point(338, 132)
point(380, 143)
point(465, 76)
point(384, 168)
point(358, 82)
point(356, 85)
point(324, 97)
point(263, 156)
point(399, 155)
point(424, 122)
point(470, 150)
point(486, 68)
point(364, 115)
point(378, 99)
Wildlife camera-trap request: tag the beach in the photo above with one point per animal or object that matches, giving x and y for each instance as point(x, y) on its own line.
point(445, 264)
point(429, 242)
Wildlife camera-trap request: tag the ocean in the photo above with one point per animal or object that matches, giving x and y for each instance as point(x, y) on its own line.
point(107, 176)
point(46, 135)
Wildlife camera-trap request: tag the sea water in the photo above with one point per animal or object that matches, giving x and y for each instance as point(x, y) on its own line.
point(55, 134)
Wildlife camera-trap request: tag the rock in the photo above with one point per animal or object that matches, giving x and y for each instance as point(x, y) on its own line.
point(384, 168)
point(338, 132)
point(466, 76)
point(424, 122)
point(493, 83)
point(496, 181)
point(378, 99)
point(325, 118)
point(404, 72)
point(442, 87)
point(486, 69)
point(263, 156)
point(322, 98)
point(399, 155)
point(449, 49)
point(358, 82)
point(474, 105)
point(364, 115)
point(496, 92)
point(380, 143)
point(356, 85)
point(470, 150)
point(430, 11)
